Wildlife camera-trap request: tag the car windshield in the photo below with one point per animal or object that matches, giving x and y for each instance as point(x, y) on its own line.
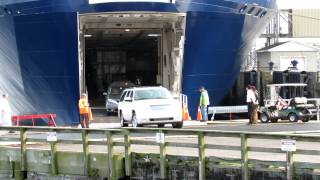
point(152, 94)
point(116, 90)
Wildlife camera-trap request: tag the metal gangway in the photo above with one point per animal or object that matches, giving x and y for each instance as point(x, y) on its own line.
point(226, 109)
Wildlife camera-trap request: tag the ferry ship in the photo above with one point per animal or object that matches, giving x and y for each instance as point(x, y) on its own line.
point(53, 50)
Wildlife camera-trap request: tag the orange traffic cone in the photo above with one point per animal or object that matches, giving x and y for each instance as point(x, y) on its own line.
point(185, 113)
point(199, 115)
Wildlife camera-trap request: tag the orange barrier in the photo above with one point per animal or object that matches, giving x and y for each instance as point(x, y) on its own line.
point(199, 115)
point(90, 114)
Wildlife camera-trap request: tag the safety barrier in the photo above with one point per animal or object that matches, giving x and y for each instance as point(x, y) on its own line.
point(50, 117)
point(226, 109)
point(184, 104)
point(128, 137)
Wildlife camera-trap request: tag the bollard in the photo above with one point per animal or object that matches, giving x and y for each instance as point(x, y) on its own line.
point(289, 167)
point(86, 153)
point(163, 158)
point(54, 164)
point(23, 151)
point(244, 157)
point(128, 156)
point(202, 156)
point(18, 174)
point(110, 144)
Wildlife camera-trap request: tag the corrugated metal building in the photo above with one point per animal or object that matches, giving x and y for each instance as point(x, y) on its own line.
point(306, 22)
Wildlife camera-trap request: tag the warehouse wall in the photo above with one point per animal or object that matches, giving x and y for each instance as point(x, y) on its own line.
point(310, 59)
point(264, 59)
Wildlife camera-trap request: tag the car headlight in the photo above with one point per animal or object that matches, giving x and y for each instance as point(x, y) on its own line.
point(111, 101)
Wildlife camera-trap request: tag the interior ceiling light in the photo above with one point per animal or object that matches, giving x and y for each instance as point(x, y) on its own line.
point(154, 35)
point(127, 30)
point(88, 35)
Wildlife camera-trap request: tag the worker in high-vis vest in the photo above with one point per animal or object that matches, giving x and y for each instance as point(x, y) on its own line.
point(204, 102)
point(85, 111)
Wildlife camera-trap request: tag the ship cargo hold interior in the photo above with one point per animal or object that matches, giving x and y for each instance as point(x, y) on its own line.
point(147, 47)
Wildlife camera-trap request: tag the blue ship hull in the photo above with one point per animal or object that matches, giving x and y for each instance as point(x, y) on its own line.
point(41, 58)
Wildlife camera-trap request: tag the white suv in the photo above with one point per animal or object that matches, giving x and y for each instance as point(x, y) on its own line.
point(149, 105)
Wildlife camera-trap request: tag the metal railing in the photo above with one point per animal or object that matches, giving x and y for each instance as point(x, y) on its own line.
point(127, 141)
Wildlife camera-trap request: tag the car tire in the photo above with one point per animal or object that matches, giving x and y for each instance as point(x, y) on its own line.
point(264, 118)
point(177, 125)
point(161, 125)
point(134, 120)
point(293, 117)
point(122, 121)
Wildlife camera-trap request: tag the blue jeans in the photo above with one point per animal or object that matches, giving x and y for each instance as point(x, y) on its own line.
point(204, 113)
point(84, 120)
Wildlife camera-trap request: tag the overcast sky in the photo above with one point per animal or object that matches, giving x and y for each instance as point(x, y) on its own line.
point(299, 4)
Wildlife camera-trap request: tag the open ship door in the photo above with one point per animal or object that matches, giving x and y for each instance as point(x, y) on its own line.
point(47, 46)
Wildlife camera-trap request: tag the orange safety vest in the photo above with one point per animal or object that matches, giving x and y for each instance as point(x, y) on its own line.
point(83, 106)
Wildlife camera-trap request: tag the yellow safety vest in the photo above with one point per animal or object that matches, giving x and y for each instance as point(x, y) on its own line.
point(204, 98)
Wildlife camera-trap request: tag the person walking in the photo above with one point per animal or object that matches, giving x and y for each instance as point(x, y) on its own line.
point(138, 80)
point(85, 111)
point(250, 101)
point(5, 111)
point(204, 102)
point(255, 105)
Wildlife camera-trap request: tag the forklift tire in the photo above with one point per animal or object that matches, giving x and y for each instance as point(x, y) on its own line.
point(274, 120)
point(293, 117)
point(306, 119)
point(264, 118)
